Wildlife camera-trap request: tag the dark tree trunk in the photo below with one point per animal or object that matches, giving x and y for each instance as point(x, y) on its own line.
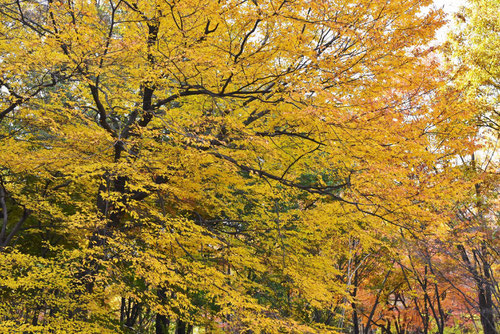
point(355, 319)
point(161, 324)
point(181, 327)
point(486, 308)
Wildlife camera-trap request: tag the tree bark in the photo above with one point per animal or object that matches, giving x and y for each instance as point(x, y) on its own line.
point(161, 324)
point(181, 327)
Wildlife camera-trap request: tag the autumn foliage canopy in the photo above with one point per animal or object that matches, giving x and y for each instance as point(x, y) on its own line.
point(255, 166)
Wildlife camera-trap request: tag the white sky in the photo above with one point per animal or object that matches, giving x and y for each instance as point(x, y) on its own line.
point(450, 7)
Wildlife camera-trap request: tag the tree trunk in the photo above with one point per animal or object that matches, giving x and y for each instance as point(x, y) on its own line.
point(181, 327)
point(161, 324)
point(355, 319)
point(486, 308)
point(484, 291)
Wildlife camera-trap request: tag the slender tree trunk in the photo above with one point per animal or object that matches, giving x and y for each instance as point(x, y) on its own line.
point(483, 280)
point(355, 319)
point(375, 304)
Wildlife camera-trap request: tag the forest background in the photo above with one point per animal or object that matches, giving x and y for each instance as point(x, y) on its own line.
point(260, 166)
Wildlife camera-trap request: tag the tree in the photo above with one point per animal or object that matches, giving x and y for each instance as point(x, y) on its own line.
point(472, 53)
point(207, 163)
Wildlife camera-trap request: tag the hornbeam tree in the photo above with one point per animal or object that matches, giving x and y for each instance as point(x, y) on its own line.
point(241, 166)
